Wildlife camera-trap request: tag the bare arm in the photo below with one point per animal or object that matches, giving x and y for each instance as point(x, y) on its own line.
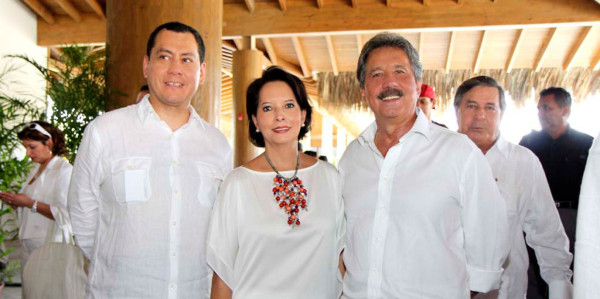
point(21, 200)
point(341, 266)
point(219, 290)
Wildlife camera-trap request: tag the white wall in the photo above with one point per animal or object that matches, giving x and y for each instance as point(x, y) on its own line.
point(18, 35)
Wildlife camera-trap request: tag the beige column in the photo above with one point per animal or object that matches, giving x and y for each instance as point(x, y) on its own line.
point(128, 26)
point(247, 66)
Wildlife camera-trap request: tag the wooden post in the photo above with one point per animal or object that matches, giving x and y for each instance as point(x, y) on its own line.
point(128, 26)
point(247, 66)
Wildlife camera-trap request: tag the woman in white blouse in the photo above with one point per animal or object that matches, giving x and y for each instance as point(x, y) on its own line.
point(278, 227)
point(42, 202)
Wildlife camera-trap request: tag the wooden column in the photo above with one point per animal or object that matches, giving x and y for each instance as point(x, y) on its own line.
point(128, 26)
point(247, 66)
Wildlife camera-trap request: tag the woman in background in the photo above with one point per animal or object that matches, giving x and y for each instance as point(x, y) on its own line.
point(278, 227)
point(42, 201)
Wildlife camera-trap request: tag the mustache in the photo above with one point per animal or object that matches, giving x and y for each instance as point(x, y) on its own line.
point(390, 92)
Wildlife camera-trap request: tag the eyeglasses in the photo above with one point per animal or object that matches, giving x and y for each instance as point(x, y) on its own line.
point(37, 127)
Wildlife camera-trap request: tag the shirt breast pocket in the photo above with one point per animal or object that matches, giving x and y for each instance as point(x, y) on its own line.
point(131, 179)
point(210, 180)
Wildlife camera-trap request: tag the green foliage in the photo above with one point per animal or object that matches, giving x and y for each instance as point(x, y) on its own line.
point(77, 88)
point(8, 269)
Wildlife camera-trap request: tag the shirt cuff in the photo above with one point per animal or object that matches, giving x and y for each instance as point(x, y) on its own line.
point(560, 289)
point(483, 281)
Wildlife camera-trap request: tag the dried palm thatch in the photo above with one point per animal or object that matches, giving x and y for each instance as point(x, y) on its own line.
point(342, 91)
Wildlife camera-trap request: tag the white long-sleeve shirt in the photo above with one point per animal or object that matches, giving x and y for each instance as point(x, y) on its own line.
point(140, 201)
point(587, 244)
point(531, 209)
point(426, 221)
point(51, 188)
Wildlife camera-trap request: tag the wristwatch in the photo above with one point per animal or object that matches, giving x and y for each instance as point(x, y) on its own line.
point(34, 207)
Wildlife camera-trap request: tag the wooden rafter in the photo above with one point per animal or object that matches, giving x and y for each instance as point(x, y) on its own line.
point(301, 56)
point(515, 50)
point(421, 43)
point(426, 2)
point(226, 72)
point(450, 50)
point(40, 9)
point(320, 3)
point(595, 65)
point(354, 3)
point(283, 5)
point(250, 4)
point(71, 10)
point(388, 3)
point(359, 42)
point(585, 34)
point(332, 55)
point(97, 8)
point(544, 50)
point(482, 44)
point(270, 50)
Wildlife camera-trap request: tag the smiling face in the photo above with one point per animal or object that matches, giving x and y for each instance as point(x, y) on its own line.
point(279, 116)
point(37, 151)
point(173, 70)
point(391, 89)
point(479, 116)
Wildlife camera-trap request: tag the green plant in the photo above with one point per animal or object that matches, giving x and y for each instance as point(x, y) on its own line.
point(13, 113)
point(77, 88)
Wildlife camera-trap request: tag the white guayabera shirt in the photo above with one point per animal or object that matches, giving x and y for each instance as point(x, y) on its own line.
point(531, 209)
point(140, 201)
point(426, 221)
point(587, 246)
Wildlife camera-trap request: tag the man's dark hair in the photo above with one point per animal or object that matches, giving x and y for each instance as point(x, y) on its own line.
point(478, 81)
point(180, 28)
point(392, 40)
point(561, 96)
point(271, 74)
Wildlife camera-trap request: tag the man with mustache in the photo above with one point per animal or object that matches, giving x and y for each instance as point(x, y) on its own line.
point(145, 179)
point(480, 104)
point(563, 153)
point(425, 218)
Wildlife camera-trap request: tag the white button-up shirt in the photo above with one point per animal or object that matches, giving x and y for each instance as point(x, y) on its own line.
point(140, 201)
point(426, 221)
point(531, 209)
point(587, 244)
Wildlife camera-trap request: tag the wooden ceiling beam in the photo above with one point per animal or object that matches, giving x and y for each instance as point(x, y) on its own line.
point(71, 10)
point(595, 65)
point(426, 2)
point(388, 3)
point(40, 9)
point(66, 31)
point(332, 55)
point(360, 43)
point(585, 34)
point(515, 50)
point(450, 51)
point(250, 4)
point(301, 56)
point(482, 44)
point(372, 15)
point(544, 50)
point(97, 8)
point(270, 50)
point(283, 5)
point(354, 3)
point(421, 44)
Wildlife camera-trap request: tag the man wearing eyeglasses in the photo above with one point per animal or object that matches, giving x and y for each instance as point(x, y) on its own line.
point(145, 180)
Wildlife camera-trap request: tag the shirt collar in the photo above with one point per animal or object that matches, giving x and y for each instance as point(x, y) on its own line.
point(421, 126)
point(145, 111)
point(501, 146)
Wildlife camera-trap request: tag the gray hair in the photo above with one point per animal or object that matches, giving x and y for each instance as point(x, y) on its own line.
point(478, 81)
point(393, 40)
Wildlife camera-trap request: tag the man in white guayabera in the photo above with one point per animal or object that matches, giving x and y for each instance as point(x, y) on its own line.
point(425, 217)
point(480, 104)
point(145, 179)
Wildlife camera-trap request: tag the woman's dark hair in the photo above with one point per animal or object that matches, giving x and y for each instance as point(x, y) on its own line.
point(58, 138)
point(271, 74)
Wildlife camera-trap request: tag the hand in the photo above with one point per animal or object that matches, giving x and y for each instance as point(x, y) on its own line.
point(16, 199)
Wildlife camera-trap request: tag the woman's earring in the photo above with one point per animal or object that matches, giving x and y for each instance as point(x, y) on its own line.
point(303, 125)
point(257, 130)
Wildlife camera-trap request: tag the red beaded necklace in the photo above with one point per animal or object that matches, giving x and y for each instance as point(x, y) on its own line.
point(289, 193)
